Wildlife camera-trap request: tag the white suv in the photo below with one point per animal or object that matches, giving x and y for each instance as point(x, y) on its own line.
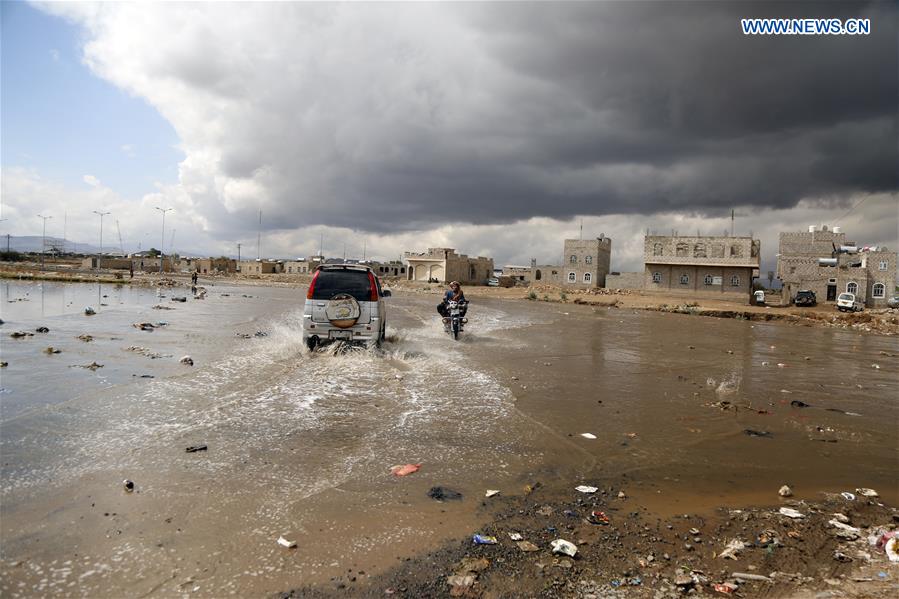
point(344, 302)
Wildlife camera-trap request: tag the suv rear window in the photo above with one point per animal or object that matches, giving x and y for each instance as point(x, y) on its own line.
point(331, 282)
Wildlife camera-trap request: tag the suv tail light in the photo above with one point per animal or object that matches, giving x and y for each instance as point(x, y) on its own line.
point(312, 284)
point(372, 288)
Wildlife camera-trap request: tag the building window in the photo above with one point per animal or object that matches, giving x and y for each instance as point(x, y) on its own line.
point(852, 288)
point(573, 259)
point(588, 278)
point(792, 270)
point(589, 259)
point(685, 279)
point(681, 250)
point(572, 278)
point(708, 280)
point(699, 250)
point(883, 264)
point(538, 275)
point(736, 251)
point(879, 290)
point(657, 249)
point(656, 277)
point(735, 281)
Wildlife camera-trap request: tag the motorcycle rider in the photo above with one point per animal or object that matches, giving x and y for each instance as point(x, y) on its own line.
point(453, 294)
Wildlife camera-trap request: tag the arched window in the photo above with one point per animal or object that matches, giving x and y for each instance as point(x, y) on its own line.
point(681, 250)
point(879, 290)
point(685, 279)
point(656, 277)
point(588, 278)
point(573, 259)
point(589, 259)
point(735, 281)
point(657, 249)
point(852, 288)
point(708, 280)
point(572, 278)
point(699, 250)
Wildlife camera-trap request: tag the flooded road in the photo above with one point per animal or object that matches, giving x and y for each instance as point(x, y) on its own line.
point(300, 444)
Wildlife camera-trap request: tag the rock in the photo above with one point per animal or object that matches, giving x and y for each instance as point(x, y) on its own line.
point(790, 513)
point(684, 580)
point(527, 546)
point(444, 494)
point(785, 491)
point(472, 564)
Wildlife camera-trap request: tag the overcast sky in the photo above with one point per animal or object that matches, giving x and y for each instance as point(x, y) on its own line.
point(494, 128)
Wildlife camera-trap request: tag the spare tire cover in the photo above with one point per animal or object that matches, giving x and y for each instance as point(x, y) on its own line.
point(343, 310)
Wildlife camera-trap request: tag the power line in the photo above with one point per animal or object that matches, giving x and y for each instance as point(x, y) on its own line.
point(857, 204)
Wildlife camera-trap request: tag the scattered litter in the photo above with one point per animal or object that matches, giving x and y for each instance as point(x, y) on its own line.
point(20, 334)
point(785, 491)
point(52, 350)
point(187, 360)
point(491, 492)
point(86, 338)
point(405, 470)
point(586, 489)
point(515, 536)
point(527, 546)
point(88, 311)
point(877, 366)
point(798, 404)
point(621, 495)
point(144, 326)
point(598, 517)
point(754, 433)
point(588, 435)
point(161, 307)
point(732, 549)
point(129, 485)
point(837, 524)
point(765, 363)
point(444, 494)
point(4, 364)
point(91, 366)
point(841, 518)
point(459, 582)
point(181, 299)
point(196, 448)
point(790, 513)
point(752, 577)
point(892, 549)
point(841, 557)
point(42, 330)
point(285, 543)
point(563, 547)
point(546, 510)
point(146, 352)
point(847, 496)
point(484, 540)
point(781, 365)
point(867, 492)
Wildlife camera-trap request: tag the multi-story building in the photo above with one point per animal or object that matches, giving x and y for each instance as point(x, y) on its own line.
point(444, 264)
point(823, 261)
point(586, 262)
point(701, 265)
point(393, 268)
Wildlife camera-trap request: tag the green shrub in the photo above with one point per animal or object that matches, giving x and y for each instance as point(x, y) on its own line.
point(532, 295)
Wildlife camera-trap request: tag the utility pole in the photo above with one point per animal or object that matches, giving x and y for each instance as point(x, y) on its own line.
point(259, 238)
point(121, 243)
point(100, 254)
point(162, 246)
point(172, 243)
point(321, 246)
point(363, 250)
point(238, 257)
point(65, 222)
point(731, 222)
point(43, 240)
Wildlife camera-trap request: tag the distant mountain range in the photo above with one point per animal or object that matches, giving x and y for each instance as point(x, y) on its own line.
point(32, 243)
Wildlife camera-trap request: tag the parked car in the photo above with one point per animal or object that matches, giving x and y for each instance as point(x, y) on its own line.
point(758, 297)
point(893, 302)
point(846, 302)
point(805, 298)
point(493, 282)
point(344, 302)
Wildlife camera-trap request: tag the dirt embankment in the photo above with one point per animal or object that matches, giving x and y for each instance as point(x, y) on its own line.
point(623, 551)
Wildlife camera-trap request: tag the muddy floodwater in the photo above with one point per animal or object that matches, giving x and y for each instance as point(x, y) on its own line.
point(691, 412)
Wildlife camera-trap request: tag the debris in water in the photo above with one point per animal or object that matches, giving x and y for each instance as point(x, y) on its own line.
point(799, 404)
point(588, 435)
point(515, 536)
point(586, 489)
point(732, 549)
point(491, 492)
point(129, 485)
point(187, 360)
point(86, 338)
point(444, 494)
point(42, 330)
point(405, 470)
point(598, 517)
point(196, 448)
point(847, 496)
point(52, 350)
point(867, 492)
point(20, 334)
point(754, 433)
point(285, 543)
point(144, 326)
point(88, 311)
point(785, 491)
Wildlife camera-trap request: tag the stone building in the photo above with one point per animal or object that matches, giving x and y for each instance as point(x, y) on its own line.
point(206, 266)
point(823, 261)
point(298, 267)
point(393, 268)
point(444, 265)
point(261, 267)
point(519, 274)
point(720, 266)
point(586, 262)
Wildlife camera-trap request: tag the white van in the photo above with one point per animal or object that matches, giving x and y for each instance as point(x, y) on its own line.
point(344, 302)
point(846, 302)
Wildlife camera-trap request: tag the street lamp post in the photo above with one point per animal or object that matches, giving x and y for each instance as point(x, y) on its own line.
point(100, 254)
point(162, 250)
point(43, 239)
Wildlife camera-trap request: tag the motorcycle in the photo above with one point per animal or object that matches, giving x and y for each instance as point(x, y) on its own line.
point(454, 321)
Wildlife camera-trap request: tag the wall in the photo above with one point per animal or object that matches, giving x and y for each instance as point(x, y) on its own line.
point(626, 280)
